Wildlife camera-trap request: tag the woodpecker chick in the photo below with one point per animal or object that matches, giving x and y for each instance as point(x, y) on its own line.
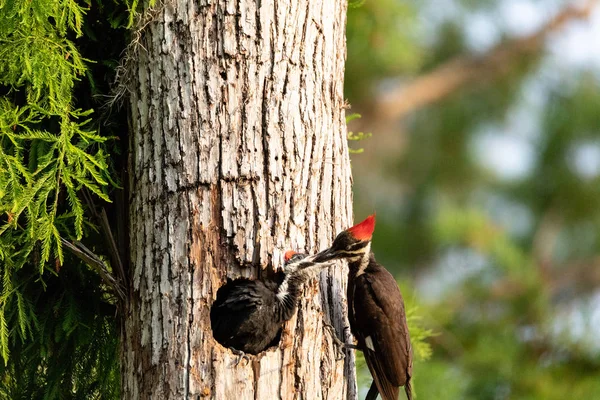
point(248, 315)
point(375, 311)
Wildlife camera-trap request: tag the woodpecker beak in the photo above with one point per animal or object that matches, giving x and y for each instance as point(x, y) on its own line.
point(325, 255)
point(299, 261)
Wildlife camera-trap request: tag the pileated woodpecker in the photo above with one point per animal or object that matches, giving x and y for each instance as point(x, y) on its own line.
point(248, 315)
point(375, 311)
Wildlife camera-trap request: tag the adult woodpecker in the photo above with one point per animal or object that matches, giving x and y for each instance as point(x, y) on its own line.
point(375, 311)
point(248, 315)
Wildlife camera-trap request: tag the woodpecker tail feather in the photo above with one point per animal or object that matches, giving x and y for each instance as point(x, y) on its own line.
point(408, 389)
point(373, 392)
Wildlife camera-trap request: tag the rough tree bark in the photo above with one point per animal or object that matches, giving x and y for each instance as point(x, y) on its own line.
point(238, 152)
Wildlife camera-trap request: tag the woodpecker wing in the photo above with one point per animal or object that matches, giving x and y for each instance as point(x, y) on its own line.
point(243, 297)
point(381, 329)
point(236, 301)
point(241, 316)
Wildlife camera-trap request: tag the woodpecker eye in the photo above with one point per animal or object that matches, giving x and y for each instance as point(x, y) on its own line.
point(343, 241)
point(293, 258)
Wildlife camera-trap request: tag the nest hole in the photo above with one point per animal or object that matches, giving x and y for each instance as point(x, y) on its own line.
point(235, 323)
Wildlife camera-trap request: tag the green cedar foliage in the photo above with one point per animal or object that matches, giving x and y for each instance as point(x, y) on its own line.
point(58, 334)
point(354, 136)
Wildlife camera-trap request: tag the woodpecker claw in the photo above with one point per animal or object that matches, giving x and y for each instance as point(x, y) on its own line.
point(240, 356)
point(337, 343)
point(351, 346)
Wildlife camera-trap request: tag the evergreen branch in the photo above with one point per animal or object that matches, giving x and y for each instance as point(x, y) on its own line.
point(24, 324)
point(418, 334)
point(46, 156)
point(94, 188)
point(112, 244)
point(4, 336)
point(27, 195)
point(57, 243)
point(351, 136)
point(91, 259)
point(45, 232)
point(77, 209)
point(102, 220)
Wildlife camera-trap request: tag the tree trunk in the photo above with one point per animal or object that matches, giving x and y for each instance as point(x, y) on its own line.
point(238, 152)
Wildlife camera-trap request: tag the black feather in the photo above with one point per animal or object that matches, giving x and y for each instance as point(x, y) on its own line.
point(378, 321)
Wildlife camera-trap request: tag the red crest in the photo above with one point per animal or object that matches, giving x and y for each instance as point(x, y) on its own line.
point(363, 230)
point(289, 254)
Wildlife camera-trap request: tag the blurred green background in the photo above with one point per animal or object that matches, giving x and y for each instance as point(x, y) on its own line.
point(484, 170)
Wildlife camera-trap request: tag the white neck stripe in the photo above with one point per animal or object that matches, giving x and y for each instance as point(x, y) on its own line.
point(364, 262)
